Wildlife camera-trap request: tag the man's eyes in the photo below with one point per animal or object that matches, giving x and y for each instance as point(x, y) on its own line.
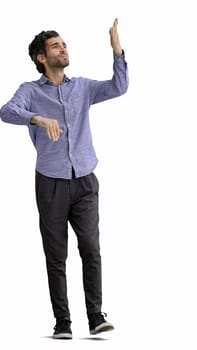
point(55, 46)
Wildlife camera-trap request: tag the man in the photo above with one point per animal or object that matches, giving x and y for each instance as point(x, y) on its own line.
point(56, 111)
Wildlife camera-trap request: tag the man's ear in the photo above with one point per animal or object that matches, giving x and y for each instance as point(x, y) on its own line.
point(41, 58)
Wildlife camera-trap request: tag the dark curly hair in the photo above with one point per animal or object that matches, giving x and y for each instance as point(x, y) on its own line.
point(37, 47)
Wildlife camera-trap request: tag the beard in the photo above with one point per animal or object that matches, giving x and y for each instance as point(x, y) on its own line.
point(58, 63)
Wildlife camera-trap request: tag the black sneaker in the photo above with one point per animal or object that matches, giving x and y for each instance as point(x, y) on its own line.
point(62, 329)
point(98, 324)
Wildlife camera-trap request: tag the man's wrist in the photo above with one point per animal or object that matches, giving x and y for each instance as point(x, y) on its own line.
point(35, 119)
point(118, 52)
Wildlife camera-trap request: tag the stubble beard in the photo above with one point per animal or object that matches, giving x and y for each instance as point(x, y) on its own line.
point(60, 64)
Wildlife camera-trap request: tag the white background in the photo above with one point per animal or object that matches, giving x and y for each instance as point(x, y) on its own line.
point(147, 146)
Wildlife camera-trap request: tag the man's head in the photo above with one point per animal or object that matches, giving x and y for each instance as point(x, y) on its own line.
point(48, 50)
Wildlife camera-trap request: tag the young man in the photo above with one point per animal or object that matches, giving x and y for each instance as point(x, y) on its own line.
point(56, 111)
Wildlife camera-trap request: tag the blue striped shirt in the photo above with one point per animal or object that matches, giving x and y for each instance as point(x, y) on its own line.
point(68, 103)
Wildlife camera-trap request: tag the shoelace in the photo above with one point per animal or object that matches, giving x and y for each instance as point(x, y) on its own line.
point(100, 315)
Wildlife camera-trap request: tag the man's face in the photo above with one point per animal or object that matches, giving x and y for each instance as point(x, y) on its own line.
point(56, 53)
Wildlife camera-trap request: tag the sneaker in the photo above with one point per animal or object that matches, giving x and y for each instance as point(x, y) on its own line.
point(62, 329)
point(98, 324)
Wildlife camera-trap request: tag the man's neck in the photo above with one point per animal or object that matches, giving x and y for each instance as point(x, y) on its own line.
point(56, 77)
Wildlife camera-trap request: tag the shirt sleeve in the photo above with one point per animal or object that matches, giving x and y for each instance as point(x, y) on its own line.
point(117, 86)
point(17, 110)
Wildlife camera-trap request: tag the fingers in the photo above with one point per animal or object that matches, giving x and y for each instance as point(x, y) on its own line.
point(114, 38)
point(115, 23)
point(114, 27)
point(51, 125)
point(53, 130)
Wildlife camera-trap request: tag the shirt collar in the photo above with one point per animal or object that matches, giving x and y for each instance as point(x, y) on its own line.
point(44, 80)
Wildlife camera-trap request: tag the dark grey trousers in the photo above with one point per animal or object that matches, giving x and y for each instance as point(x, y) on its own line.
point(75, 201)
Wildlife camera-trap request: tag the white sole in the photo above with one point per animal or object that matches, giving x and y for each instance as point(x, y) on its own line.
point(103, 327)
point(62, 336)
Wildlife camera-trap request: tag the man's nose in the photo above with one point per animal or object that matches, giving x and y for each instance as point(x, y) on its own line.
point(63, 49)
